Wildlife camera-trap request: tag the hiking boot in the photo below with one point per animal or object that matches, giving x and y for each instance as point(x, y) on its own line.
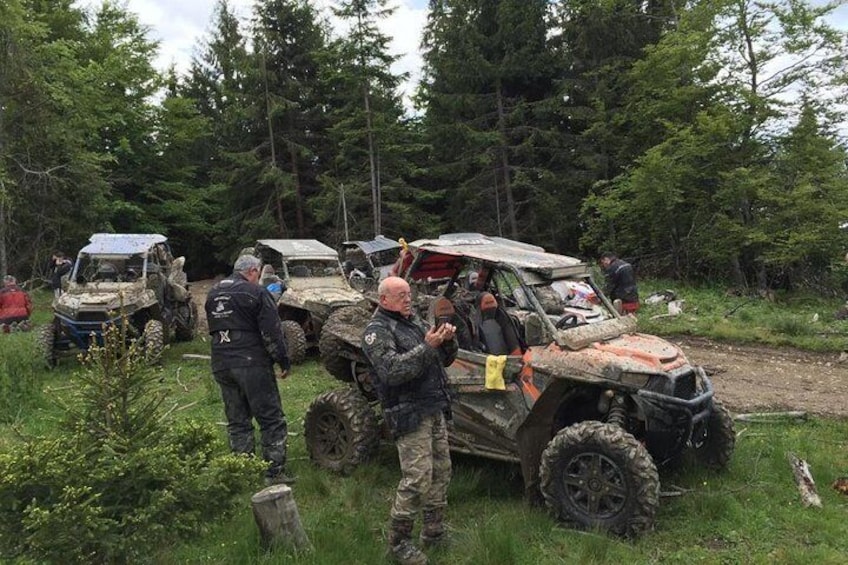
point(401, 549)
point(433, 531)
point(280, 478)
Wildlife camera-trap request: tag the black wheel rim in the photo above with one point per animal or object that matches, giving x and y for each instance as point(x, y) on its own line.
point(331, 436)
point(595, 485)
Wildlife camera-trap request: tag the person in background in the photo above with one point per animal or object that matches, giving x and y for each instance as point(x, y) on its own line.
point(269, 279)
point(408, 358)
point(247, 340)
point(60, 267)
point(620, 282)
point(15, 306)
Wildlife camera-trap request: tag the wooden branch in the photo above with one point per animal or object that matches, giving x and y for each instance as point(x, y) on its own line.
point(179, 382)
point(277, 518)
point(189, 405)
point(805, 482)
point(772, 417)
point(196, 356)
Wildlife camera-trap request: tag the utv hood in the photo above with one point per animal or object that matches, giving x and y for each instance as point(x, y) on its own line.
point(615, 359)
point(320, 290)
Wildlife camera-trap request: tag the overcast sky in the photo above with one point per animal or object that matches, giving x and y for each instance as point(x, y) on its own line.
point(178, 25)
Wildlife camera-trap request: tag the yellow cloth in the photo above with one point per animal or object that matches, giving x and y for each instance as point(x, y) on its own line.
point(494, 372)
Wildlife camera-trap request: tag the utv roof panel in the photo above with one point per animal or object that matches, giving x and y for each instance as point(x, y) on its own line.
point(122, 243)
point(379, 243)
point(300, 248)
point(498, 250)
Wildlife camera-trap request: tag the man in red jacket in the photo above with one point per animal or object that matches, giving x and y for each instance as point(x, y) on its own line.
point(15, 306)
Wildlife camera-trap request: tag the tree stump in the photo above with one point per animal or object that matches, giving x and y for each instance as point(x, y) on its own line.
point(276, 515)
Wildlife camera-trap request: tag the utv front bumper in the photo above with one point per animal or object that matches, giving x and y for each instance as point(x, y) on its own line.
point(677, 415)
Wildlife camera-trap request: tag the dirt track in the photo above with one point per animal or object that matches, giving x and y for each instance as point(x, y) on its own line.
point(752, 378)
point(746, 378)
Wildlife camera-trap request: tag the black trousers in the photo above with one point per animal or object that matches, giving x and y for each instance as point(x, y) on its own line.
point(251, 393)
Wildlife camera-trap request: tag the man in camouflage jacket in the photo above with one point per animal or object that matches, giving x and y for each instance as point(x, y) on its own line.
point(409, 359)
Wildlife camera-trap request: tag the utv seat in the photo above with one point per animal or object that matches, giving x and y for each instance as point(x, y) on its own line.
point(300, 271)
point(495, 329)
point(445, 312)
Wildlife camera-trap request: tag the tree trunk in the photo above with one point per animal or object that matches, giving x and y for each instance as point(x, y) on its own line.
point(277, 518)
point(372, 158)
point(510, 200)
point(298, 191)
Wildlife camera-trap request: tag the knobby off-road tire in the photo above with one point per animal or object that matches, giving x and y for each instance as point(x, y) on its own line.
point(187, 331)
point(45, 342)
point(295, 341)
point(331, 346)
point(341, 430)
point(153, 341)
point(596, 475)
point(715, 451)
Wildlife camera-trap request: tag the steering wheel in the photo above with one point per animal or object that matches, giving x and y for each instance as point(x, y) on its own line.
point(567, 321)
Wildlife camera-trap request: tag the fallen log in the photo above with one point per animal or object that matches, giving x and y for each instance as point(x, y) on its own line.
point(804, 480)
point(277, 518)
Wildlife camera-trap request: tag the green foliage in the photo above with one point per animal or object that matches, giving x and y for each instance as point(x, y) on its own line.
point(804, 320)
point(19, 382)
point(119, 479)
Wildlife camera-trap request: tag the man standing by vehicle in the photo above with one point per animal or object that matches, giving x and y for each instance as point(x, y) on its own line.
point(60, 267)
point(620, 282)
point(15, 306)
point(247, 339)
point(409, 360)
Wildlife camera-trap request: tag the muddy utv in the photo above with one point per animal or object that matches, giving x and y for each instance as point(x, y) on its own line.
point(116, 275)
point(315, 287)
point(368, 262)
point(586, 406)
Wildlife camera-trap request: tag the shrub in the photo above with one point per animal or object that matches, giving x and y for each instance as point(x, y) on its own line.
point(122, 479)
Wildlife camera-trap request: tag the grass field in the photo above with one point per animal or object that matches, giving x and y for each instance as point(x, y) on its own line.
point(750, 514)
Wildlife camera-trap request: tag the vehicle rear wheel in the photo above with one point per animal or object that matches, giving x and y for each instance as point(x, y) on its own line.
point(715, 450)
point(341, 430)
point(45, 341)
point(596, 475)
point(295, 341)
point(185, 326)
point(153, 341)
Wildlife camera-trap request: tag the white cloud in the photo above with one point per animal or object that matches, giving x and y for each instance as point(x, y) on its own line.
point(179, 26)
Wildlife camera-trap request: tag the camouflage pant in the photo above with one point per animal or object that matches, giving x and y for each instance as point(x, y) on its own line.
point(426, 467)
point(251, 392)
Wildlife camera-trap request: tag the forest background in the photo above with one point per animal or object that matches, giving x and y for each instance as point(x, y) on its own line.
point(699, 139)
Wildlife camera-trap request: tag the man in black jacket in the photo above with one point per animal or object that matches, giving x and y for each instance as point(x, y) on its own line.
point(247, 340)
point(620, 282)
point(59, 267)
point(409, 359)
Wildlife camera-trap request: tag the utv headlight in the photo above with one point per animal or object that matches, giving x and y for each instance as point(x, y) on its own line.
point(638, 380)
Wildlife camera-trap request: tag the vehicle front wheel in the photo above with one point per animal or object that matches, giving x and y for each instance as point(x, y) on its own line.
point(596, 475)
point(46, 344)
point(295, 341)
point(716, 448)
point(153, 341)
point(341, 430)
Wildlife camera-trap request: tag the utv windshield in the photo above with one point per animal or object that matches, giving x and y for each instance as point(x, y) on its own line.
point(114, 268)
